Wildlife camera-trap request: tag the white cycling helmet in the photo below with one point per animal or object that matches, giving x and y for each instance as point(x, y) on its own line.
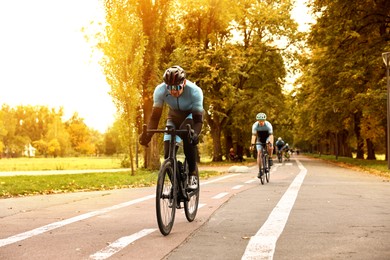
point(261, 116)
point(279, 138)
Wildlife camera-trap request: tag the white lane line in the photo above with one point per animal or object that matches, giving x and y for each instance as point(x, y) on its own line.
point(201, 205)
point(250, 181)
point(237, 187)
point(219, 179)
point(40, 230)
point(55, 225)
point(220, 195)
point(119, 244)
point(262, 245)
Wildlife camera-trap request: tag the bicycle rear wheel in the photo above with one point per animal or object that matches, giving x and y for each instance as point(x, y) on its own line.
point(191, 205)
point(280, 157)
point(267, 168)
point(165, 198)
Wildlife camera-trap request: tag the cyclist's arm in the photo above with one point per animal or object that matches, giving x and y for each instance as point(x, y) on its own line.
point(155, 117)
point(253, 140)
point(158, 102)
point(271, 140)
point(197, 109)
point(198, 122)
point(270, 131)
point(254, 134)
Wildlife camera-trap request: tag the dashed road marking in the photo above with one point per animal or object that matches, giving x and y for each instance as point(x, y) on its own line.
point(55, 225)
point(43, 229)
point(119, 244)
point(220, 195)
point(250, 181)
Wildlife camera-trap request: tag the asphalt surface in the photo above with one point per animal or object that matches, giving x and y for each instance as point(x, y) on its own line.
point(337, 213)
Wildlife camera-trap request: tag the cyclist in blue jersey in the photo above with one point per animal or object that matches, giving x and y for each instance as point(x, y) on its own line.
point(262, 132)
point(279, 145)
point(185, 101)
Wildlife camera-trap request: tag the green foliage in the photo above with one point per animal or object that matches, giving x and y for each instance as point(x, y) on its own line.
point(44, 129)
point(341, 90)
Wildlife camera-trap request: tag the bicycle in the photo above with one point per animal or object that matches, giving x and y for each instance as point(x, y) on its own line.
point(265, 167)
point(287, 155)
point(280, 156)
point(172, 184)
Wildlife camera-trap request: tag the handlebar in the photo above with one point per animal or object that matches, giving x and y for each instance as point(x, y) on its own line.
point(169, 130)
point(261, 144)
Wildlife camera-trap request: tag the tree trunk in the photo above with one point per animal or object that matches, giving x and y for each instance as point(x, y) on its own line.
point(131, 154)
point(153, 16)
point(344, 148)
point(215, 127)
point(370, 150)
point(228, 142)
point(217, 149)
point(359, 139)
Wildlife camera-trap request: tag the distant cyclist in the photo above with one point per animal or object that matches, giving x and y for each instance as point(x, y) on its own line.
point(279, 145)
point(262, 132)
point(185, 101)
point(286, 150)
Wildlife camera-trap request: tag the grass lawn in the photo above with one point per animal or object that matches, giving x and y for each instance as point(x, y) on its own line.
point(72, 163)
point(378, 167)
point(27, 185)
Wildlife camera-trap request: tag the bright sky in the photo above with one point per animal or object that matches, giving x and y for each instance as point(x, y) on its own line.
point(45, 60)
point(301, 14)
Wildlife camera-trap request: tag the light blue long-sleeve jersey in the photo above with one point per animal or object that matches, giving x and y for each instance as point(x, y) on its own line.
point(266, 127)
point(190, 100)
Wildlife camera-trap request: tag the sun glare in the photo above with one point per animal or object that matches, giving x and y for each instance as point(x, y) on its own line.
point(45, 59)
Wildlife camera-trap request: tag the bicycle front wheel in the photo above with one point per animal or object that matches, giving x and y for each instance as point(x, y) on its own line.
point(267, 168)
point(166, 198)
point(263, 168)
point(191, 204)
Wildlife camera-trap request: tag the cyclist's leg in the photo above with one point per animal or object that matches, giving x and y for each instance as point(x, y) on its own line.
point(190, 153)
point(270, 150)
point(167, 138)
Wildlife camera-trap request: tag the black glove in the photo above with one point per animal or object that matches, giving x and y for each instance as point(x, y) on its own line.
point(194, 139)
point(144, 139)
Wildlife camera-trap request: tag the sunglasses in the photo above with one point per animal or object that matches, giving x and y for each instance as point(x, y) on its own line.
point(176, 88)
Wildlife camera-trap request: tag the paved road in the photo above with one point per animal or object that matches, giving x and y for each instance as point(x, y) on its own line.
point(309, 210)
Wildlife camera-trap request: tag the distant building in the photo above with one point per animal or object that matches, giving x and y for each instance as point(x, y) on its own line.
point(29, 151)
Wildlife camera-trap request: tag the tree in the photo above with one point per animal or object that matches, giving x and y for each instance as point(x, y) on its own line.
point(3, 132)
point(132, 28)
point(231, 72)
point(344, 70)
point(79, 135)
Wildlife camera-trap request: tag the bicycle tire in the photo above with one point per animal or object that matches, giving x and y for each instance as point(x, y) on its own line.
point(280, 157)
point(191, 204)
point(166, 198)
point(267, 168)
point(262, 177)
